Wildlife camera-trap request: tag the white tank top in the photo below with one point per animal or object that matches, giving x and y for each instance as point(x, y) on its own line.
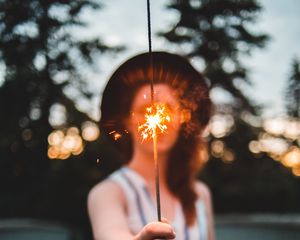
point(142, 210)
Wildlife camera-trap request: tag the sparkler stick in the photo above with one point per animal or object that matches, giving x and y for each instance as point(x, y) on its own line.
point(156, 166)
point(154, 135)
point(156, 119)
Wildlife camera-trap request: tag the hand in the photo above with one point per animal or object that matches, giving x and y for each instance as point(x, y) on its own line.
point(156, 230)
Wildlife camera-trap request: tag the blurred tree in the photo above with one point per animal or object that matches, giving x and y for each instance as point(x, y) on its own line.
point(218, 32)
point(293, 91)
point(41, 57)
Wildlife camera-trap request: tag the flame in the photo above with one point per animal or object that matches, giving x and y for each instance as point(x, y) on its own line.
point(156, 119)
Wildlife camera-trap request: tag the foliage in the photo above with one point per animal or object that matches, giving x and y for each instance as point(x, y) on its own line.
point(293, 91)
point(42, 57)
point(218, 32)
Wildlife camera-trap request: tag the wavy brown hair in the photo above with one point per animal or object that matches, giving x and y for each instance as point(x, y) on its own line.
point(184, 160)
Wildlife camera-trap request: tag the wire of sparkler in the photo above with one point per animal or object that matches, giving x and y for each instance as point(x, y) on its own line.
point(150, 49)
point(156, 166)
point(156, 176)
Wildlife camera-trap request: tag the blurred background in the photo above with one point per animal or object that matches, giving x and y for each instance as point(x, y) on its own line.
point(56, 57)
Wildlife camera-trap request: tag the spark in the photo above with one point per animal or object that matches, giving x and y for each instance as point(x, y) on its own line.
point(156, 119)
point(116, 136)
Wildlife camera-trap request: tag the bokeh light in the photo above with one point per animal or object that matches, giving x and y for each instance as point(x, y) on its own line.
point(221, 125)
point(228, 156)
point(217, 148)
point(279, 138)
point(90, 131)
point(292, 130)
point(275, 126)
point(55, 138)
point(296, 171)
point(254, 146)
point(273, 144)
point(291, 158)
point(281, 141)
point(68, 142)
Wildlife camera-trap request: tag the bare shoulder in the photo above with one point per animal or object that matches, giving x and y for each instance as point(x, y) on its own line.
point(202, 190)
point(105, 186)
point(106, 189)
point(106, 206)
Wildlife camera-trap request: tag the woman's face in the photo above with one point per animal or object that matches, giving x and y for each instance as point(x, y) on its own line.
point(163, 94)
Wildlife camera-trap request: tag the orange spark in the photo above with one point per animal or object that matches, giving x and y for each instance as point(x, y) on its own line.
point(116, 135)
point(156, 119)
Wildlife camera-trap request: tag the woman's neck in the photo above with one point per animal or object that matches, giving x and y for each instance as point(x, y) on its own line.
point(143, 163)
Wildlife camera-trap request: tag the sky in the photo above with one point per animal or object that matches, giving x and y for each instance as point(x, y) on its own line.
point(125, 22)
point(270, 68)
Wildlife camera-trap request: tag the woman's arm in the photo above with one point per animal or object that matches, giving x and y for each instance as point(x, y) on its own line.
point(204, 193)
point(107, 212)
point(106, 208)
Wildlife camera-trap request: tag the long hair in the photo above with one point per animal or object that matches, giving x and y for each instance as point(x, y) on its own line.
point(184, 160)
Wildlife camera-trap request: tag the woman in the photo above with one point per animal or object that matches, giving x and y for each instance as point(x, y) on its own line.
point(123, 206)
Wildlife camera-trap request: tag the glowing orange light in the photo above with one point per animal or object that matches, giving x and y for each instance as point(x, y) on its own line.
point(116, 135)
point(296, 171)
point(63, 144)
point(292, 157)
point(156, 119)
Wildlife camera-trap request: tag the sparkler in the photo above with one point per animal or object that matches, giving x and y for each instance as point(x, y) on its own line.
point(156, 119)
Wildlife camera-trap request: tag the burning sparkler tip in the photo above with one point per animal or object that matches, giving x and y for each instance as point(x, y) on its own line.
point(156, 118)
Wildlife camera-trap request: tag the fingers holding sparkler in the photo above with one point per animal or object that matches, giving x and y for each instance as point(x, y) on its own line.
point(156, 230)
